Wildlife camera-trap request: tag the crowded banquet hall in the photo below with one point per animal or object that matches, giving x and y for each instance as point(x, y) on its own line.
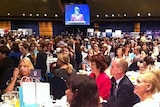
point(79, 53)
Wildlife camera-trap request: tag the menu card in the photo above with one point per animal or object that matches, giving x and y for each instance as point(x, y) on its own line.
point(35, 93)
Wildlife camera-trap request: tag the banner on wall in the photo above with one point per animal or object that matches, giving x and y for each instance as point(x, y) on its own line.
point(149, 33)
point(90, 32)
point(118, 33)
point(25, 31)
point(157, 33)
point(108, 32)
point(2, 32)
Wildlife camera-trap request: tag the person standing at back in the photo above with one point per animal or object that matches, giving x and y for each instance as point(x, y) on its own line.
point(122, 94)
point(42, 59)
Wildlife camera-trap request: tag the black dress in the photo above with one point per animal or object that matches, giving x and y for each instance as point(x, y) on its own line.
point(58, 82)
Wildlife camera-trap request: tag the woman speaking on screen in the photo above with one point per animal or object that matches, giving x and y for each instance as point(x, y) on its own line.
point(77, 16)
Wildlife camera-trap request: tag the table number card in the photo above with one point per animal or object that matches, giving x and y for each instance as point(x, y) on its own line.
point(35, 74)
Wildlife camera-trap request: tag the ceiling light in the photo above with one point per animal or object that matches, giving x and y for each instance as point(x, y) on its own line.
point(9, 14)
point(23, 14)
point(124, 14)
point(138, 14)
point(30, 14)
point(45, 14)
point(37, 14)
point(112, 15)
point(97, 15)
point(56, 15)
point(106, 15)
point(149, 14)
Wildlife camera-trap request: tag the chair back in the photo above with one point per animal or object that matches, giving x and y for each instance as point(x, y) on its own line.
point(57, 87)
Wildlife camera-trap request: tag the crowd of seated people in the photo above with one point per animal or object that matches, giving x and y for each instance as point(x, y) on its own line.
point(90, 54)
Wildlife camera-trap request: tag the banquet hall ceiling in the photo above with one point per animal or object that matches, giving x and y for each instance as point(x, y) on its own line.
point(100, 9)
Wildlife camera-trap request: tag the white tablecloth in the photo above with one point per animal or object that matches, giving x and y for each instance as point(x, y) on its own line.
point(61, 103)
point(132, 75)
point(50, 60)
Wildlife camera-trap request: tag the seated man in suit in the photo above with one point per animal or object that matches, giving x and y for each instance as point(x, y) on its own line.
point(121, 93)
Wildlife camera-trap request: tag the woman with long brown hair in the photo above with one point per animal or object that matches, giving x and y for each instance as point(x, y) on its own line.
point(82, 91)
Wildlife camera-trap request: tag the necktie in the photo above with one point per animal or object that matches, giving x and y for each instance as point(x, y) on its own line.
point(115, 89)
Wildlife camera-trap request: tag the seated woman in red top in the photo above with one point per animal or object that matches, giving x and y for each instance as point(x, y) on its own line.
point(98, 65)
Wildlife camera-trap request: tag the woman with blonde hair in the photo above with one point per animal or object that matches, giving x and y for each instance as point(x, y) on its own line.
point(145, 88)
point(24, 67)
point(155, 71)
point(64, 62)
point(157, 94)
point(61, 75)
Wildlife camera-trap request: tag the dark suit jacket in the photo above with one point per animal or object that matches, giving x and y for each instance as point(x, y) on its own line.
point(125, 96)
point(31, 59)
point(41, 63)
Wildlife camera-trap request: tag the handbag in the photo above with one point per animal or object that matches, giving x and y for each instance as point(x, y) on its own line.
point(31, 94)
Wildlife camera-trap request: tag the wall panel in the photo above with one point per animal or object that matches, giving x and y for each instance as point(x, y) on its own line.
point(45, 28)
point(137, 27)
point(5, 25)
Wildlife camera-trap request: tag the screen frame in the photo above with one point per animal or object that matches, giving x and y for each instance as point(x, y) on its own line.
point(69, 10)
